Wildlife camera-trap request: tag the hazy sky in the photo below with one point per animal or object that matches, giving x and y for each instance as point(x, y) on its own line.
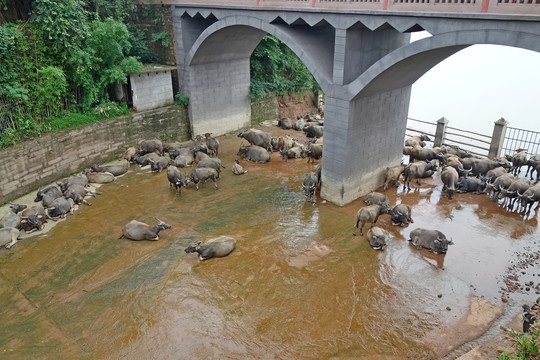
point(478, 85)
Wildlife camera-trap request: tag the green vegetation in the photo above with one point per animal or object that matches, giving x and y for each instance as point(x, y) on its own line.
point(276, 69)
point(526, 346)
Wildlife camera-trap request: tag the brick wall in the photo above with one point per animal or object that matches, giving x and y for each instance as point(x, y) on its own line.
point(152, 90)
point(26, 166)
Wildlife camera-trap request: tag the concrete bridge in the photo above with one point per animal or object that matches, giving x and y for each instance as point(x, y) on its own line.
point(358, 50)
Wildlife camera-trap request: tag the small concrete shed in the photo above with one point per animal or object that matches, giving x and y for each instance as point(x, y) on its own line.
point(152, 88)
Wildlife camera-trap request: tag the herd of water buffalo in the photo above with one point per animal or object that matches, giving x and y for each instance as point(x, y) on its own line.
point(460, 172)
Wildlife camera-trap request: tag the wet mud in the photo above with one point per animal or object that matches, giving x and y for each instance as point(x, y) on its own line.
point(298, 284)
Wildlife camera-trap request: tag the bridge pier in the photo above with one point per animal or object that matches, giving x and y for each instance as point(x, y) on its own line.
point(362, 137)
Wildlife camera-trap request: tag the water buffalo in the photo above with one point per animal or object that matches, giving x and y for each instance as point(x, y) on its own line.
point(77, 193)
point(136, 230)
point(128, 154)
point(75, 180)
point(257, 138)
point(12, 217)
point(534, 166)
point(502, 182)
point(254, 153)
point(376, 198)
point(187, 158)
point(295, 152)
point(472, 185)
point(493, 174)
point(149, 146)
point(213, 163)
point(417, 140)
point(299, 124)
point(202, 175)
point(418, 171)
point(237, 169)
point(33, 218)
point(313, 131)
point(369, 214)
point(310, 182)
point(529, 197)
point(99, 178)
point(391, 175)
point(454, 150)
point(48, 195)
point(450, 178)
point(159, 164)
point(8, 236)
point(314, 151)
point(518, 160)
point(433, 240)
point(285, 123)
point(534, 159)
point(143, 160)
point(60, 207)
point(518, 187)
point(419, 153)
point(116, 170)
point(376, 237)
point(201, 156)
point(401, 215)
point(482, 166)
point(180, 150)
point(176, 181)
point(217, 247)
point(456, 164)
point(212, 143)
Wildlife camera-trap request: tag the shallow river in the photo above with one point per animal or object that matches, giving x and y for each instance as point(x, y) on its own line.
point(298, 284)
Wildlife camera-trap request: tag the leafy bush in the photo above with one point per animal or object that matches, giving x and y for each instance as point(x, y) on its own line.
point(526, 346)
point(181, 99)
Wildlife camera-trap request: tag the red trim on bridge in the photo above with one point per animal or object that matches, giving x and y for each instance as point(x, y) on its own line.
point(485, 6)
point(385, 5)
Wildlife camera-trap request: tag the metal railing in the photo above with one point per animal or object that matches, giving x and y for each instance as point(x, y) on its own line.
point(475, 143)
point(515, 139)
point(422, 127)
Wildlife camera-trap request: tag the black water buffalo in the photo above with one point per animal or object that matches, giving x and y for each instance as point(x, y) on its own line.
point(213, 163)
point(12, 217)
point(149, 146)
point(456, 164)
point(77, 194)
point(75, 180)
point(176, 181)
point(60, 207)
point(391, 175)
point(254, 153)
point(420, 153)
point(116, 170)
point(376, 237)
point(482, 166)
point(376, 198)
point(136, 230)
point(369, 214)
point(502, 182)
point(143, 160)
point(48, 195)
point(258, 138)
point(313, 131)
point(33, 218)
point(533, 164)
point(314, 151)
point(310, 183)
point(180, 150)
point(472, 185)
point(450, 178)
point(212, 143)
point(418, 171)
point(401, 215)
point(159, 164)
point(217, 247)
point(518, 160)
point(433, 240)
point(202, 175)
point(529, 197)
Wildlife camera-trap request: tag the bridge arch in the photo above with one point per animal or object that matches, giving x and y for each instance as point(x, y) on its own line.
point(407, 64)
point(238, 36)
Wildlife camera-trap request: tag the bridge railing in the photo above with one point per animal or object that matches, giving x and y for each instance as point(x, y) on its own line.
point(504, 140)
point(517, 7)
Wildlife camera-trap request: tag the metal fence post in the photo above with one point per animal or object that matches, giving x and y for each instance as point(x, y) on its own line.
point(497, 139)
point(440, 132)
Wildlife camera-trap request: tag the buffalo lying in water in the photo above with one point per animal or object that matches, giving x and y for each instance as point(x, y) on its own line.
point(217, 247)
point(433, 240)
point(136, 230)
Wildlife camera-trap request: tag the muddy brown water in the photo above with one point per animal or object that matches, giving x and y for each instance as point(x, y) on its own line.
point(298, 284)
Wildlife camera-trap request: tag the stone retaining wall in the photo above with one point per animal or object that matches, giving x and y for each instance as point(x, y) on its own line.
point(26, 166)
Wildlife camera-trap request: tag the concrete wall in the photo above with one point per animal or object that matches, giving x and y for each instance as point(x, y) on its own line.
point(26, 166)
point(152, 90)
